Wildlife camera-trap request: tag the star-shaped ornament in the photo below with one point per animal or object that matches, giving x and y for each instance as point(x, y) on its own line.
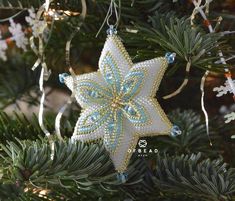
point(119, 102)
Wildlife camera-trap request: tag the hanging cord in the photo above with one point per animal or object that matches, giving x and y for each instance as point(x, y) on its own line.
point(13, 16)
point(185, 82)
point(68, 64)
point(203, 80)
point(117, 12)
point(45, 73)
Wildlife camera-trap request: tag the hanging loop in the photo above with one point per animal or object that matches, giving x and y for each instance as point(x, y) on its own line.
point(115, 9)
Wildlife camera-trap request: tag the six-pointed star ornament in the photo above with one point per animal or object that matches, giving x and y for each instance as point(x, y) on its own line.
point(118, 102)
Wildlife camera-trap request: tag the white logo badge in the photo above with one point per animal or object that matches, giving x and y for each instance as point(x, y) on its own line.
point(142, 143)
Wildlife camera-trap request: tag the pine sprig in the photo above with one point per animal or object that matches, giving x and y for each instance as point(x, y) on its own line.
point(187, 174)
point(30, 164)
point(18, 126)
point(191, 44)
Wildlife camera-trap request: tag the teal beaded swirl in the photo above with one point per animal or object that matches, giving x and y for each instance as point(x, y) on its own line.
point(117, 100)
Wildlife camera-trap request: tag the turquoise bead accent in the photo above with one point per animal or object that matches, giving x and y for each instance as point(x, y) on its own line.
point(90, 92)
point(62, 77)
point(122, 177)
point(93, 94)
point(126, 86)
point(170, 57)
point(130, 110)
point(175, 131)
point(95, 116)
point(109, 76)
point(111, 30)
point(112, 74)
point(132, 84)
point(111, 127)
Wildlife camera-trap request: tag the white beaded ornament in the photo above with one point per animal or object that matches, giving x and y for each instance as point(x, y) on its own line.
point(118, 102)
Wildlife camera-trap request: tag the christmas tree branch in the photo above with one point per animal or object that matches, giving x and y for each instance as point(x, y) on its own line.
point(209, 179)
point(31, 165)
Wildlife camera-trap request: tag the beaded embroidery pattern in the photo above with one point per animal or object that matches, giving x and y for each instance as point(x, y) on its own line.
point(118, 102)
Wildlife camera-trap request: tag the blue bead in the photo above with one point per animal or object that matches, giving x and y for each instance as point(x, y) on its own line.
point(129, 110)
point(95, 116)
point(170, 57)
point(111, 30)
point(122, 177)
point(111, 127)
point(126, 108)
point(126, 86)
point(62, 77)
point(93, 94)
point(109, 77)
point(175, 131)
